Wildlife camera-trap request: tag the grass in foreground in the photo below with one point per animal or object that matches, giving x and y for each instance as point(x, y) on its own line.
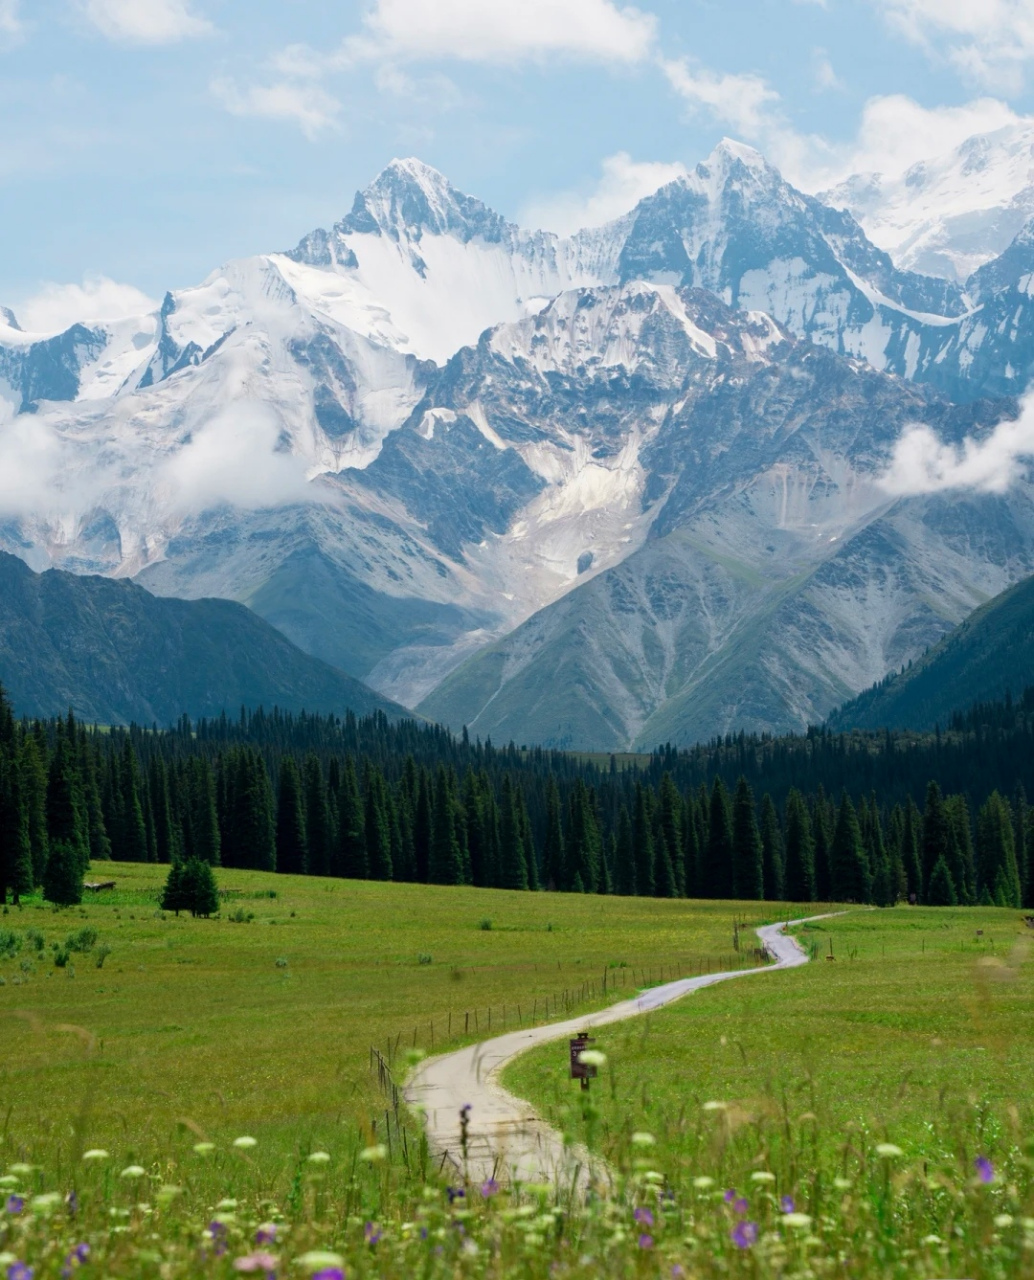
point(748, 1186)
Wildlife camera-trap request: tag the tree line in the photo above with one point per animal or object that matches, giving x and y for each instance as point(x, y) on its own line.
point(748, 818)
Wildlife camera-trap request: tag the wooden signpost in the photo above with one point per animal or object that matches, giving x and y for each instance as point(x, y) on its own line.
point(580, 1070)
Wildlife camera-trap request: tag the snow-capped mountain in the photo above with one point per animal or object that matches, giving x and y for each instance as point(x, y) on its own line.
point(457, 459)
point(948, 215)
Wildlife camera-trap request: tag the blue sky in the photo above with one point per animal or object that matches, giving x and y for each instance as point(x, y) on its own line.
point(146, 141)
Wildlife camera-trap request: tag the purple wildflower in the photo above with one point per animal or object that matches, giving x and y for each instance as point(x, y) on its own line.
point(266, 1234)
point(455, 1193)
point(645, 1241)
point(729, 1196)
point(985, 1169)
point(424, 1233)
point(81, 1252)
point(489, 1188)
point(644, 1217)
point(14, 1205)
point(744, 1234)
point(740, 1205)
point(218, 1231)
point(372, 1235)
point(677, 1272)
point(329, 1273)
point(787, 1204)
point(19, 1271)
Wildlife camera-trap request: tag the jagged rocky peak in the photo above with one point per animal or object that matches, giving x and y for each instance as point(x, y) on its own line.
point(9, 319)
point(409, 198)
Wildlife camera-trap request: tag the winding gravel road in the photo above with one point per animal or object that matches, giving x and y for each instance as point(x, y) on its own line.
point(506, 1138)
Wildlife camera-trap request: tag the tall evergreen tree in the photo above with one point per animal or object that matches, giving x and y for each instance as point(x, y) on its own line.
point(963, 865)
point(941, 889)
point(513, 861)
point(16, 870)
point(690, 848)
point(848, 865)
point(823, 822)
point(130, 843)
point(33, 786)
point(65, 818)
point(910, 855)
point(624, 856)
point(63, 878)
point(553, 869)
point(800, 850)
point(717, 869)
point(317, 817)
point(377, 825)
point(291, 850)
point(642, 843)
point(669, 869)
point(747, 852)
point(772, 850)
point(446, 861)
point(998, 871)
point(352, 861)
point(936, 834)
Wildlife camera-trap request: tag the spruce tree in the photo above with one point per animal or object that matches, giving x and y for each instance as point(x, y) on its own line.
point(773, 855)
point(513, 862)
point(848, 865)
point(352, 862)
point(32, 783)
point(553, 847)
point(422, 828)
point(131, 843)
point(670, 871)
point(174, 895)
point(65, 817)
point(963, 865)
point(377, 825)
point(624, 856)
point(999, 879)
point(642, 843)
point(534, 879)
point(747, 852)
point(200, 889)
point(206, 842)
point(690, 848)
point(823, 822)
point(317, 817)
point(936, 834)
point(63, 878)
point(446, 862)
point(800, 851)
point(291, 851)
point(910, 856)
point(717, 870)
point(16, 869)
point(941, 889)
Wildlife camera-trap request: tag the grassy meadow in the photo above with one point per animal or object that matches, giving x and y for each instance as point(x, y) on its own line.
point(192, 1098)
point(210, 1028)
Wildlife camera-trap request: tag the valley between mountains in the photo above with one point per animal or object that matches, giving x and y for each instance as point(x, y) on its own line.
point(599, 492)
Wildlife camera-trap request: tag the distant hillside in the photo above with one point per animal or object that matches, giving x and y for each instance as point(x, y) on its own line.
point(115, 654)
point(989, 655)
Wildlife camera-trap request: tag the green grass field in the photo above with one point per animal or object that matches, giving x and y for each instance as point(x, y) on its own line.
point(266, 1026)
point(920, 1030)
point(743, 1125)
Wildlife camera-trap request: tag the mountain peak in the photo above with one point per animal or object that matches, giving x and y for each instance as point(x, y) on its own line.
point(409, 198)
point(8, 318)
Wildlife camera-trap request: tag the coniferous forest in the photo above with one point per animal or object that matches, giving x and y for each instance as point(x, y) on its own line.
point(941, 819)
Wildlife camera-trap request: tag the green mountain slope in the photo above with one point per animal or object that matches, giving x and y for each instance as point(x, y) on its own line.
point(116, 653)
point(989, 655)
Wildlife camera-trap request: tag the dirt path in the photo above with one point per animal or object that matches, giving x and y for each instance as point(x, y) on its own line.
point(506, 1138)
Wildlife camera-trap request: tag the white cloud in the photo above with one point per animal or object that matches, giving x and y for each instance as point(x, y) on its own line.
point(921, 463)
point(56, 307)
point(988, 41)
point(235, 458)
point(307, 105)
point(746, 101)
point(503, 31)
point(623, 183)
point(146, 21)
point(30, 462)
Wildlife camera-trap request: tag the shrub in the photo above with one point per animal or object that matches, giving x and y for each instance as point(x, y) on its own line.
point(486, 924)
point(102, 955)
point(83, 941)
point(10, 944)
point(423, 958)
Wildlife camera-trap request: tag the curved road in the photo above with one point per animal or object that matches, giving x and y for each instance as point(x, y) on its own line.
point(506, 1138)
